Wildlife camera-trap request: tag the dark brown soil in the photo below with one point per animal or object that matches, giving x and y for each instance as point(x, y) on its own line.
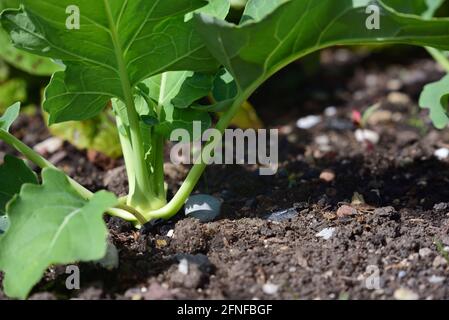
point(388, 203)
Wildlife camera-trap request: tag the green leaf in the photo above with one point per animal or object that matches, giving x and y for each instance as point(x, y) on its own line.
point(252, 52)
point(24, 61)
point(5, 4)
point(13, 174)
point(174, 118)
point(257, 10)
point(193, 88)
point(164, 89)
point(435, 97)
point(118, 44)
point(215, 8)
point(9, 116)
point(11, 91)
point(149, 120)
point(50, 224)
point(424, 8)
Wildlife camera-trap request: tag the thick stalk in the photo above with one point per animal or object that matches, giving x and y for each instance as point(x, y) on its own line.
point(143, 197)
point(158, 165)
point(197, 170)
point(38, 160)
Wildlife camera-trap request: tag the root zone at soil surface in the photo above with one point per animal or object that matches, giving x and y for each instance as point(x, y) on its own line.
point(361, 209)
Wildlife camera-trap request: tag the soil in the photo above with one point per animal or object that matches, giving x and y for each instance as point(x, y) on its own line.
point(382, 209)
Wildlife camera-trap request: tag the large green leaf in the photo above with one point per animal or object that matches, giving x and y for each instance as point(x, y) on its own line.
point(257, 10)
point(252, 52)
point(435, 97)
point(13, 174)
point(424, 8)
point(193, 88)
point(174, 118)
point(12, 90)
point(50, 224)
point(117, 45)
point(22, 60)
point(163, 89)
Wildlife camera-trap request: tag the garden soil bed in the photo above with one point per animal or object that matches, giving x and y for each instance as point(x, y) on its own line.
point(384, 206)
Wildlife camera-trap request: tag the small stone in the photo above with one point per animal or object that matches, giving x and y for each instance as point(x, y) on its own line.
point(322, 140)
point(394, 84)
point(308, 122)
point(439, 261)
point(270, 288)
point(48, 146)
point(43, 296)
point(203, 207)
point(161, 243)
point(345, 211)
point(442, 206)
point(157, 292)
point(327, 175)
point(183, 267)
point(326, 233)
point(436, 279)
point(365, 135)
point(133, 294)
point(380, 116)
point(398, 98)
point(330, 111)
point(339, 124)
point(283, 215)
point(405, 294)
point(424, 252)
point(402, 274)
point(441, 153)
point(170, 233)
point(193, 279)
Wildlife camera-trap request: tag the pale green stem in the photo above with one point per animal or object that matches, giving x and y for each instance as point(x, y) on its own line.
point(439, 57)
point(143, 197)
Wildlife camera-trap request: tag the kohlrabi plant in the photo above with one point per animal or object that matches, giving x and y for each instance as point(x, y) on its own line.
point(156, 61)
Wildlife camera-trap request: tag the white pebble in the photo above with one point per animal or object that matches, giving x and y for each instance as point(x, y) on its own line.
point(51, 145)
point(365, 135)
point(322, 140)
point(183, 266)
point(435, 279)
point(170, 233)
point(441, 153)
point(308, 122)
point(424, 252)
point(326, 233)
point(270, 288)
point(405, 294)
point(330, 111)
